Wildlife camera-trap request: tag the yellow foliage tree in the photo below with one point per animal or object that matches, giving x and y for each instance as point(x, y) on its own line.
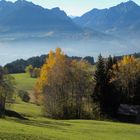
point(125, 72)
point(42, 81)
point(64, 86)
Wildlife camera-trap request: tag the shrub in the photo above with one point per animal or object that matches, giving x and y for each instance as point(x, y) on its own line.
point(24, 95)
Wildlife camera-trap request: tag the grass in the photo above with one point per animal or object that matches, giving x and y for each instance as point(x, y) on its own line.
point(66, 130)
point(24, 82)
point(41, 128)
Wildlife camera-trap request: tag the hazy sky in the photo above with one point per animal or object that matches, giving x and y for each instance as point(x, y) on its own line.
point(78, 7)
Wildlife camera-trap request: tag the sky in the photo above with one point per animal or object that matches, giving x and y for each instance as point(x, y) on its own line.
point(77, 7)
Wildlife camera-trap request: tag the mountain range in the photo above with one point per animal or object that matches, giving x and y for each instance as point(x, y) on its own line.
point(26, 17)
point(29, 30)
point(121, 19)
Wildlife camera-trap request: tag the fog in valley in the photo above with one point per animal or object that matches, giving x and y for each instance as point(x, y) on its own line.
point(11, 50)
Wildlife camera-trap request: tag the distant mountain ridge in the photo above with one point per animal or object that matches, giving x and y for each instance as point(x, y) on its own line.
point(32, 21)
point(52, 24)
point(124, 17)
point(28, 29)
point(26, 16)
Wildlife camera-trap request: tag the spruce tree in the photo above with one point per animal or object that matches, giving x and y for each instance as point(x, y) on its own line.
point(100, 79)
point(104, 90)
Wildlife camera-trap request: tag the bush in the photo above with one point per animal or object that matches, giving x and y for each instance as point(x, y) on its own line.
point(24, 95)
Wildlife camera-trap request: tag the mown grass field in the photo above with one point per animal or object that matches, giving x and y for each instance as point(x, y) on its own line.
point(38, 127)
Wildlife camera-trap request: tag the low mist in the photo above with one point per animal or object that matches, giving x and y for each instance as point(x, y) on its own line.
point(17, 49)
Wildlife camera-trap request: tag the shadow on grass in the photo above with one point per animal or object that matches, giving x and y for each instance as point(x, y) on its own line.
point(45, 124)
point(11, 113)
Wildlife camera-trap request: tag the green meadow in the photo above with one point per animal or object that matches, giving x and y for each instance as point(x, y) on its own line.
point(38, 127)
point(24, 82)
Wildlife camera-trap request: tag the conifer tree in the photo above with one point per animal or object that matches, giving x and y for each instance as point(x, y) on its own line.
point(100, 79)
point(104, 93)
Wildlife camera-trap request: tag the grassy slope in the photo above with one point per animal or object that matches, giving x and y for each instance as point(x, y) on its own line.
point(24, 82)
point(40, 128)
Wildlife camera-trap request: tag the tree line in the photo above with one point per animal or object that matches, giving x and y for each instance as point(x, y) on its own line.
point(72, 89)
point(75, 89)
point(20, 65)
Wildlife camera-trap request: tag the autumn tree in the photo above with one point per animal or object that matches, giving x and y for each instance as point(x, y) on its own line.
point(36, 72)
point(43, 78)
point(33, 72)
point(127, 74)
point(82, 88)
point(63, 85)
point(51, 82)
point(29, 69)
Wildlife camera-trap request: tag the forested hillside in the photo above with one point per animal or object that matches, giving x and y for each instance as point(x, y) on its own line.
point(19, 66)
